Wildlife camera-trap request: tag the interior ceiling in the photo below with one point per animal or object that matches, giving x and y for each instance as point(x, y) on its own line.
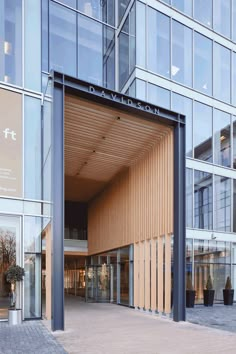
point(99, 143)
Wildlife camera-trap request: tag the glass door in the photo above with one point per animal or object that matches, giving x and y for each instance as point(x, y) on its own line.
point(98, 283)
point(9, 255)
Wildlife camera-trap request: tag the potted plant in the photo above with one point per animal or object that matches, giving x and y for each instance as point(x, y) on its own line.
point(14, 274)
point(190, 293)
point(228, 293)
point(209, 293)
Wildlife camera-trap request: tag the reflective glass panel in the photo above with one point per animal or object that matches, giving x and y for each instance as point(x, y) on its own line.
point(71, 3)
point(140, 89)
point(221, 17)
point(234, 77)
point(99, 9)
point(158, 43)
point(45, 35)
point(234, 19)
point(32, 286)
point(221, 73)
point(141, 33)
point(181, 68)
point(185, 6)
point(189, 197)
point(11, 41)
point(32, 234)
point(222, 148)
point(202, 132)
point(95, 52)
point(202, 64)
point(33, 45)
point(203, 11)
point(62, 39)
point(234, 206)
point(222, 204)
point(32, 148)
point(202, 200)
point(184, 105)
point(234, 142)
point(122, 6)
point(159, 96)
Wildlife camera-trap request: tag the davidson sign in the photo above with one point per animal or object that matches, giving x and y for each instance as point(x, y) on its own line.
point(116, 97)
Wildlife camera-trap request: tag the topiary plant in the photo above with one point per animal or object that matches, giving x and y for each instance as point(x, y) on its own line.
point(189, 285)
point(209, 285)
point(13, 274)
point(228, 284)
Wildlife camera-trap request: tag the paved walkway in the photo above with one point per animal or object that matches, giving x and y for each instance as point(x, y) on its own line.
point(218, 316)
point(31, 337)
point(112, 329)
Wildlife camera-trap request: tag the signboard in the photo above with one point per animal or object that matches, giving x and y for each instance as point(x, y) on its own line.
point(10, 144)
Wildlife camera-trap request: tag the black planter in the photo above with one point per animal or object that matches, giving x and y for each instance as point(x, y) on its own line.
point(190, 298)
point(228, 295)
point(208, 297)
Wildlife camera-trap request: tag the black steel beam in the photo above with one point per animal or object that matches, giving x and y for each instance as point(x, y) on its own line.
point(58, 208)
point(179, 223)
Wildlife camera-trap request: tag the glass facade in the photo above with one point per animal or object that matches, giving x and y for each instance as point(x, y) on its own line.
point(184, 63)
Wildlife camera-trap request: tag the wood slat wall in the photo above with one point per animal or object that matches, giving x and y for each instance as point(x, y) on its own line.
point(137, 208)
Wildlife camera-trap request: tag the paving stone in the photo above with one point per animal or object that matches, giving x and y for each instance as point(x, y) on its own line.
point(31, 337)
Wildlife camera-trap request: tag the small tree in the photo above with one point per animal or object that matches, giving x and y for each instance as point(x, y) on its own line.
point(209, 285)
point(189, 285)
point(13, 274)
point(228, 284)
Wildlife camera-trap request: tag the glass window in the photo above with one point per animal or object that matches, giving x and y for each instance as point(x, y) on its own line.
point(189, 197)
point(202, 132)
point(159, 96)
point(62, 39)
point(45, 35)
point(203, 11)
point(221, 127)
point(234, 205)
point(221, 17)
point(141, 89)
point(234, 78)
point(32, 286)
point(132, 89)
point(47, 152)
point(184, 105)
point(32, 234)
point(71, 3)
point(202, 63)
point(222, 204)
point(141, 34)
point(221, 72)
point(122, 6)
point(101, 10)
point(127, 48)
point(234, 19)
point(181, 68)
point(95, 52)
point(202, 200)
point(234, 142)
point(11, 41)
point(33, 45)
point(158, 43)
point(185, 6)
point(32, 148)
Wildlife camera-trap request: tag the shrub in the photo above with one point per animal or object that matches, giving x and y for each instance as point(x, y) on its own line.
point(209, 285)
point(14, 273)
point(228, 284)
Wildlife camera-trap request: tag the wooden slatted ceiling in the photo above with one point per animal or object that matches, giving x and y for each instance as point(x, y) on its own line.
point(100, 142)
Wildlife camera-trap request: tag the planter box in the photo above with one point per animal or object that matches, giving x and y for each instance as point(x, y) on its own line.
point(190, 298)
point(208, 297)
point(14, 316)
point(228, 295)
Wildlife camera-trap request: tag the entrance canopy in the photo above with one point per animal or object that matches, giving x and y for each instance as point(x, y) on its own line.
point(101, 137)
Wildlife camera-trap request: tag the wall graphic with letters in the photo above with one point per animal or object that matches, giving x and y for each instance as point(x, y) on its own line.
point(10, 143)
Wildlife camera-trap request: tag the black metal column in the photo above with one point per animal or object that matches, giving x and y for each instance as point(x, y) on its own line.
point(179, 223)
point(58, 208)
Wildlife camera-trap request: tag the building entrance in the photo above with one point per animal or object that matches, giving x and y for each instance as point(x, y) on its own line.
point(98, 283)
